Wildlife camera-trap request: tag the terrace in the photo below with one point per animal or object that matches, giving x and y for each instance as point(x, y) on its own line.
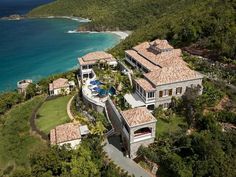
point(96, 92)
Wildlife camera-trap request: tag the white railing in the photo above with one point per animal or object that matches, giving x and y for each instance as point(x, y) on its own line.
point(143, 137)
point(92, 100)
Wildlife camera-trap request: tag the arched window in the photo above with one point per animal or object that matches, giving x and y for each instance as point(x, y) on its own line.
point(143, 131)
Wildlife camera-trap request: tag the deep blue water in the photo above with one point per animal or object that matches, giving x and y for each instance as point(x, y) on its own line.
point(8, 7)
point(41, 47)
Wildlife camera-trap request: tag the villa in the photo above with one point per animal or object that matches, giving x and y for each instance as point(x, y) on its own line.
point(139, 127)
point(165, 74)
point(68, 133)
point(60, 86)
point(87, 62)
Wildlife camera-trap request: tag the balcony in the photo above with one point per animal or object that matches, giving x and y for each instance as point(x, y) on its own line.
point(142, 137)
point(142, 134)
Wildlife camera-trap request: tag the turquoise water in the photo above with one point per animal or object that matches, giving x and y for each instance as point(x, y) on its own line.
point(41, 47)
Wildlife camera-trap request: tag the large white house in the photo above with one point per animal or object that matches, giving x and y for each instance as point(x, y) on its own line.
point(60, 86)
point(165, 74)
point(89, 60)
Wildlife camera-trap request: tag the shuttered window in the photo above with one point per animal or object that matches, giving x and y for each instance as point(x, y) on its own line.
point(178, 90)
point(161, 94)
point(170, 92)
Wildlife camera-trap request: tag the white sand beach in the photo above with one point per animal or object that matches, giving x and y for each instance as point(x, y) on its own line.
point(123, 34)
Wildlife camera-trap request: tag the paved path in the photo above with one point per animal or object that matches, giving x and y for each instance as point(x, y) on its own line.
point(126, 163)
point(68, 108)
point(33, 126)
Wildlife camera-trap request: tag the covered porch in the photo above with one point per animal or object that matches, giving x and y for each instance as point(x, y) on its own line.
point(134, 100)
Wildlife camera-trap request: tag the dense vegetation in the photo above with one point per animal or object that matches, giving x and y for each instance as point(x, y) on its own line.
point(9, 99)
point(207, 23)
point(88, 160)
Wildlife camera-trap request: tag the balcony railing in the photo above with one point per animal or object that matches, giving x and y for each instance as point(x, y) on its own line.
point(142, 137)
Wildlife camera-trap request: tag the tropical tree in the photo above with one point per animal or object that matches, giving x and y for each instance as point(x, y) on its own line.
point(98, 129)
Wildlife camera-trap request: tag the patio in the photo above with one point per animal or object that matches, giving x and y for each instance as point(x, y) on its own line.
point(134, 100)
point(91, 91)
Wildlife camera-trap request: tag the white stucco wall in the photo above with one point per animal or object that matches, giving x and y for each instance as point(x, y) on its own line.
point(134, 145)
point(72, 143)
point(173, 86)
point(59, 91)
point(151, 125)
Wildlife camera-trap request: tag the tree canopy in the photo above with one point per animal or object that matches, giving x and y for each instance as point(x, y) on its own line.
point(208, 23)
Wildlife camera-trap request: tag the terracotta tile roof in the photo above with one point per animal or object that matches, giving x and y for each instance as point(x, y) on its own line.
point(146, 85)
point(93, 57)
point(172, 74)
point(137, 116)
point(147, 64)
point(59, 83)
point(161, 44)
point(163, 59)
point(64, 133)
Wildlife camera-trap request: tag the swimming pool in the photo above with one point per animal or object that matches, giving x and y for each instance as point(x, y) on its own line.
point(102, 92)
point(96, 82)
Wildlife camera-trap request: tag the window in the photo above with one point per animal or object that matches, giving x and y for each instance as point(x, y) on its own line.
point(178, 90)
point(151, 95)
point(139, 66)
point(84, 67)
point(151, 107)
point(170, 92)
point(85, 75)
point(90, 66)
point(161, 94)
point(144, 93)
point(165, 93)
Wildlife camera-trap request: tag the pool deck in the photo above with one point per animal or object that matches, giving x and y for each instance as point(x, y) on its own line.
point(88, 93)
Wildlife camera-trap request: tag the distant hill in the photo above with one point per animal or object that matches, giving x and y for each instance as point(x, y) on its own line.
point(208, 24)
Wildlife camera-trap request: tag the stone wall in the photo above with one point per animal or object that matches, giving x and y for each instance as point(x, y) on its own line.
point(114, 115)
point(93, 105)
point(135, 146)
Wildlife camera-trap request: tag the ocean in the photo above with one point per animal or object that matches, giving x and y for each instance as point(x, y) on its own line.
point(35, 48)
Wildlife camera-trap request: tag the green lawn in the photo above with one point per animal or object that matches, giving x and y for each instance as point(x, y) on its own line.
point(175, 123)
point(16, 140)
point(53, 113)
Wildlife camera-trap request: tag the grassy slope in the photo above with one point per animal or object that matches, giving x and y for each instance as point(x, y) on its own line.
point(53, 113)
point(16, 141)
point(167, 127)
point(209, 23)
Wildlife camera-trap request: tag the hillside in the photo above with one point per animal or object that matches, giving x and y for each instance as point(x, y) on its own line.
point(210, 24)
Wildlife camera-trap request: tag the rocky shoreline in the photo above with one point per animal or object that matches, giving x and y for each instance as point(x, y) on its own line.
point(20, 17)
point(13, 17)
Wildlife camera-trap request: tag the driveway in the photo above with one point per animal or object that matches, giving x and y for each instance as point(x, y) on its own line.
point(124, 162)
